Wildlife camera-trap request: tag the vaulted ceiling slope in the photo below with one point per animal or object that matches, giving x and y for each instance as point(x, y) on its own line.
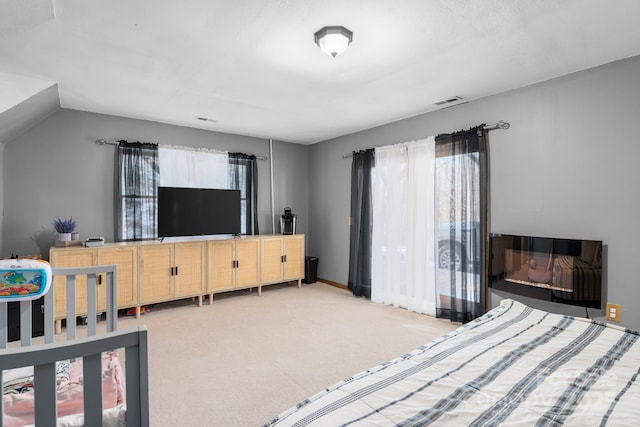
point(251, 66)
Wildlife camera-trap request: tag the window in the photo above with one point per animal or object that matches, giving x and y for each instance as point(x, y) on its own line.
point(139, 167)
point(137, 191)
point(191, 168)
point(243, 176)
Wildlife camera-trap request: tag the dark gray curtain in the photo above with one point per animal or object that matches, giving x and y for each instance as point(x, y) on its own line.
point(137, 198)
point(462, 183)
point(243, 176)
point(361, 223)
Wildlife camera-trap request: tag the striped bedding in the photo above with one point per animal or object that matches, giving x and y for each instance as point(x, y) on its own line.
point(514, 366)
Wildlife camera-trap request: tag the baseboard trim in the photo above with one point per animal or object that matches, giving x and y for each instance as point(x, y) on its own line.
point(332, 283)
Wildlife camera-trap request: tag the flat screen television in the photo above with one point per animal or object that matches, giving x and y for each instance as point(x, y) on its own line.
point(197, 211)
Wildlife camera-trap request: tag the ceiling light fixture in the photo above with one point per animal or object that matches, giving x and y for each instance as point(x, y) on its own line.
point(333, 40)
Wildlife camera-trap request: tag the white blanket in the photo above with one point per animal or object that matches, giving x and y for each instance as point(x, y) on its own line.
point(514, 366)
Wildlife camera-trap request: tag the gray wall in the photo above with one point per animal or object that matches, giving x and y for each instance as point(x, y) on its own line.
point(568, 167)
point(55, 169)
point(21, 117)
point(2, 145)
point(291, 183)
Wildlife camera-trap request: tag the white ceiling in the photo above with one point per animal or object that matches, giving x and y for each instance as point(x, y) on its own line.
point(252, 65)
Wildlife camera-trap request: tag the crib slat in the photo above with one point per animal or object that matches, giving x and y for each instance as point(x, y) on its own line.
point(71, 307)
point(112, 300)
point(45, 392)
point(49, 316)
point(136, 366)
point(92, 374)
point(1, 401)
point(92, 308)
point(25, 323)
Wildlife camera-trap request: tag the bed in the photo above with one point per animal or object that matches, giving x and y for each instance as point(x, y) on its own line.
point(514, 366)
point(67, 380)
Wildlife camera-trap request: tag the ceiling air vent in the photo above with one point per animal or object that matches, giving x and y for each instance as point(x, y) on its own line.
point(448, 101)
point(205, 119)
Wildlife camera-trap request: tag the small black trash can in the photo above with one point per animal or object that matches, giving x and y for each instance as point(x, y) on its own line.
point(310, 269)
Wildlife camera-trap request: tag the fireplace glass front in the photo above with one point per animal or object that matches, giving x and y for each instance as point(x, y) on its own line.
point(560, 270)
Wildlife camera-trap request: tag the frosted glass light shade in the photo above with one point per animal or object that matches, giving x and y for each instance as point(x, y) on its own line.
point(333, 40)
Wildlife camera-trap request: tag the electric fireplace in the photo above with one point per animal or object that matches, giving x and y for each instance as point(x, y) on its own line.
point(560, 270)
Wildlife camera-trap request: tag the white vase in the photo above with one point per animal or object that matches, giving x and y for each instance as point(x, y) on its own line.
point(64, 237)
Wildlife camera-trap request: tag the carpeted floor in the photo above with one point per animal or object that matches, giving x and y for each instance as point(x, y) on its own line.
point(245, 359)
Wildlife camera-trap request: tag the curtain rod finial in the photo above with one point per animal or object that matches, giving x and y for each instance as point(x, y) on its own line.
point(100, 141)
point(503, 125)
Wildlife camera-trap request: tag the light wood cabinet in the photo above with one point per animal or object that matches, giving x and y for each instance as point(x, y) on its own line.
point(74, 258)
point(156, 268)
point(221, 262)
point(271, 260)
point(152, 272)
point(247, 265)
point(171, 271)
point(190, 270)
point(282, 259)
point(126, 258)
point(233, 264)
point(293, 248)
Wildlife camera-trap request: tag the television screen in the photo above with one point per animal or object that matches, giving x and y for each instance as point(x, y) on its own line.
point(197, 211)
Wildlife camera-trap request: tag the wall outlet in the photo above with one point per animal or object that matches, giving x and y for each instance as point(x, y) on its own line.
point(614, 312)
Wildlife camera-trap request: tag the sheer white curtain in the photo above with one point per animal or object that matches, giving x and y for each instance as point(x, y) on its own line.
point(422, 225)
point(389, 231)
point(193, 168)
point(403, 235)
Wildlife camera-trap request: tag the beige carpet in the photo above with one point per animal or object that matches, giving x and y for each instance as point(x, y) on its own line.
point(245, 359)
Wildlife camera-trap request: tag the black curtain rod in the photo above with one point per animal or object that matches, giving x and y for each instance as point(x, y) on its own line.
point(500, 125)
point(105, 142)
